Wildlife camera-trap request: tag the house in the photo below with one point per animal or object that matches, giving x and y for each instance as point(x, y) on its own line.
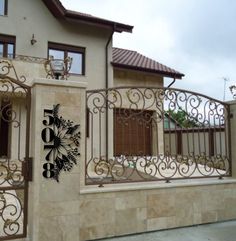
point(29, 37)
point(31, 32)
point(126, 105)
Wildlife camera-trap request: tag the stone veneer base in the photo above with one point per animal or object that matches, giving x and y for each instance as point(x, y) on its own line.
point(135, 208)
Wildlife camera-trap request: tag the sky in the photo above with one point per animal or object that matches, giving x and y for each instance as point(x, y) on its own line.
point(195, 37)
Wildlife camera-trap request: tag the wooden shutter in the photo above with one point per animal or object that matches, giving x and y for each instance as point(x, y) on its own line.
point(132, 132)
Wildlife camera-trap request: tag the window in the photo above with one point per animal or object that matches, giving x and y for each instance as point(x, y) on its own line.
point(132, 132)
point(7, 46)
point(5, 107)
point(60, 51)
point(3, 7)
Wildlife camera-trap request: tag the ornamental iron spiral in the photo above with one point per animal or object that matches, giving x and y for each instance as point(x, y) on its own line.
point(137, 134)
point(14, 150)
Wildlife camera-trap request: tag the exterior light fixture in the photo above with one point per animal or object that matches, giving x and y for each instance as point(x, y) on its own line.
point(233, 90)
point(33, 40)
point(58, 68)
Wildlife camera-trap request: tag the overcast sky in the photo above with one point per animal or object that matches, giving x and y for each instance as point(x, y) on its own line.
point(195, 37)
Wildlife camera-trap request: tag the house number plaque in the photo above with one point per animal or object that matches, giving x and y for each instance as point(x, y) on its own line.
point(61, 143)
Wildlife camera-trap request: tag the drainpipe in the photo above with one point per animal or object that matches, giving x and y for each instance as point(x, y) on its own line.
point(106, 86)
point(108, 42)
point(171, 83)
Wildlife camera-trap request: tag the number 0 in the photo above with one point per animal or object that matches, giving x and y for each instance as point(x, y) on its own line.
point(47, 135)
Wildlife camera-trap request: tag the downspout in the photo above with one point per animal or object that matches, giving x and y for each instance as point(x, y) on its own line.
point(171, 83)
point(106, 86)
point(108, 42)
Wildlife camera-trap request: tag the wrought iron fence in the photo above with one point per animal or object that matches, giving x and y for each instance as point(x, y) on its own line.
point(14, 152)
point(149, 134)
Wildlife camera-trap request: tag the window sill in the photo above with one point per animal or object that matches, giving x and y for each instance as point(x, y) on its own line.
point(77, 75)
point(160, 185)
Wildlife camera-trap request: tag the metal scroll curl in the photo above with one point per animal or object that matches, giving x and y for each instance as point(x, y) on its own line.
point(11, 213)
point(8, 71)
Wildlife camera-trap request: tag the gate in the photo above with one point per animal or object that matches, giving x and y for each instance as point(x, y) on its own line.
point(15, 164)
point(137, 134)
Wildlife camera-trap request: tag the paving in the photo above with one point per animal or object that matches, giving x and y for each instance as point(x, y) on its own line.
point(224, 231)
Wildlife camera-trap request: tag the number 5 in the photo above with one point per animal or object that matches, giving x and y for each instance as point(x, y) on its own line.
point(48, 113)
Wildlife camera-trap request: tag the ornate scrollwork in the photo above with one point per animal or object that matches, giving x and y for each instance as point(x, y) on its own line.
point(14, 107)
point(12, 89)
point(11, 214)
point(203, 151)
point(8, 71)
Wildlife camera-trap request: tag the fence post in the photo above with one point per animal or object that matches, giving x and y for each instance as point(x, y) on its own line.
point(54, 206)
point(233, 136)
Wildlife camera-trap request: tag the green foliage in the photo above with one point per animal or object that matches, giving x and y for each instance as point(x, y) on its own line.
point(183, 118)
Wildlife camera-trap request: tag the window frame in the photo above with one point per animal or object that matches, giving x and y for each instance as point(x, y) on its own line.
point(5, 40)
point(5, 11)
point(69, 49)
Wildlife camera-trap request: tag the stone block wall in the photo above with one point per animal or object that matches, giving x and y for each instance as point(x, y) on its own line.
point(53, 206)
point(115, 213)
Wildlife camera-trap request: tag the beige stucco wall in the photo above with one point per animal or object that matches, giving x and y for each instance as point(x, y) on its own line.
point(124, 77)
point(27, 17)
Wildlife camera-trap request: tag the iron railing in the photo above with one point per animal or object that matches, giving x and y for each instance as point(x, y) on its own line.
point(15, 101)
point(149, 134)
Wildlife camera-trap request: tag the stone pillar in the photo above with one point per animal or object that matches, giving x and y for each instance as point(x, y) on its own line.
point(53, 206)
point(233, 136)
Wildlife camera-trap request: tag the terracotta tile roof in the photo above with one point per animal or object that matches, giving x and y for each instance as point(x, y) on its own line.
point(58, 11)
point(128, 59)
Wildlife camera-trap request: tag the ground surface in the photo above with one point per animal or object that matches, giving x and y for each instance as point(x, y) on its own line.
point(225, 231)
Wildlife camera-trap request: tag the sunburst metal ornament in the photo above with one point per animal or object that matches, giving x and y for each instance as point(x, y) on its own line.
point(66, 143)
point(65, 148)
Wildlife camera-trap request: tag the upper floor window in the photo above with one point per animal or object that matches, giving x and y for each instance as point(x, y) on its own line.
point(60, 51)
point(7, 46)
point(3, 7)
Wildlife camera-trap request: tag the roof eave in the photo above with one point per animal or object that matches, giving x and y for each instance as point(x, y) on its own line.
point(55, 7)
point(163, 73)
point(58, 11)
point(117, 27)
